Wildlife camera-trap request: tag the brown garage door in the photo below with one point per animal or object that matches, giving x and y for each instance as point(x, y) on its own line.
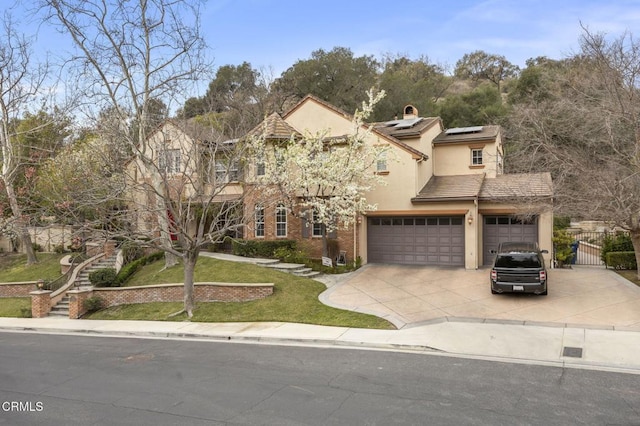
point(416, 240)
point(500, 229)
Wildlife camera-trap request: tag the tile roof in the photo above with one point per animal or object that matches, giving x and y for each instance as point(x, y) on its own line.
point(444, 188)
point(469, 187)
point(487, 133)
point(391, 128)
point(517, 185)
point(274, 127)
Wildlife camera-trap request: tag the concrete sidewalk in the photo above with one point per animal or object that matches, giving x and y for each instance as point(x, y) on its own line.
point(599, 349)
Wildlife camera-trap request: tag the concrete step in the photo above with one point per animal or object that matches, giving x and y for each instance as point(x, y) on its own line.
point(310, 274)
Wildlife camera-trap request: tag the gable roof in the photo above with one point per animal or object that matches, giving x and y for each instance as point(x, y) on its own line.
point(415, 154)
point(478, 186)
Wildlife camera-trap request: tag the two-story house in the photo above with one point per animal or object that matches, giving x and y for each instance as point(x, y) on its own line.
point(445, 202)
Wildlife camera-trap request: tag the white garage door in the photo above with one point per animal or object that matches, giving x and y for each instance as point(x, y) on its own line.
point(416, 240)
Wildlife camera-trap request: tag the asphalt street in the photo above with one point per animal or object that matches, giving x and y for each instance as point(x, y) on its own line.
point(74, 380)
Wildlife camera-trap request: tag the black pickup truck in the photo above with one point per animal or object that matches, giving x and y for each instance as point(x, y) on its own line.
point(519, 267)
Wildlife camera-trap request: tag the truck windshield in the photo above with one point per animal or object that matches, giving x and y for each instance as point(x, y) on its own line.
point(518, 260)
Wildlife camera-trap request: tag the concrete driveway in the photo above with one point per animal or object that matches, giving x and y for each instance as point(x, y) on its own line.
point(584, 296)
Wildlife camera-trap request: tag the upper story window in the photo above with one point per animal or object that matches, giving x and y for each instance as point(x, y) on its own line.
point(169, 161)
point(381, 164)
point(227, 171)
point(281, 221)
point(260, 168)
point(476, 157)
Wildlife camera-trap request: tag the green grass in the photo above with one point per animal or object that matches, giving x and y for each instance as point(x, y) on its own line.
point(13, 306)
point(295, 299)
point(13, 267)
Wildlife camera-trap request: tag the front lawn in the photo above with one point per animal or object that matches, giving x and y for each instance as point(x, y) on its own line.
point(295, 299)
point(13, 267)
point(14, 306)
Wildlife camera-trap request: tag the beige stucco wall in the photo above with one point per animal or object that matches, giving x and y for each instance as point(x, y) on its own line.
point(455, 159)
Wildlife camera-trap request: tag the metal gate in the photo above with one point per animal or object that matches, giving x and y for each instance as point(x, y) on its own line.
point(587, 248)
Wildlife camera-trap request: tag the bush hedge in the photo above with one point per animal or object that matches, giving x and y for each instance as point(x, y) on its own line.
point(259, 248)
point(105, 277)
point(621, 260)
point(130, 268)
point(619, 242)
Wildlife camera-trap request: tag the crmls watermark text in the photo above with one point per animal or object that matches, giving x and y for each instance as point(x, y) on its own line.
point(22, 406)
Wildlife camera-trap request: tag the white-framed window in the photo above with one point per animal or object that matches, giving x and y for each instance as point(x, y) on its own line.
point(316, 227)
point(169, 161)
point(381, 164)
point(476, 157)
point(259, 220)
point(281, 220)
point(226, 172)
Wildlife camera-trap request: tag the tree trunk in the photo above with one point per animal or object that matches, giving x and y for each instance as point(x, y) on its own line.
point(190, 260)
point(635, 240)
point(21, 229)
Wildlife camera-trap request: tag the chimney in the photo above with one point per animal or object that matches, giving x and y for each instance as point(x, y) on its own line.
point(410, 112)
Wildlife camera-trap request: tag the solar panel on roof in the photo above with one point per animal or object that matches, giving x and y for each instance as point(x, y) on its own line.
point(408, 123)
point(462, 130)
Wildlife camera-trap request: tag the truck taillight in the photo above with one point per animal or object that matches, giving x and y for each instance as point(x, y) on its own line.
point(494, 275)
point(543, 276)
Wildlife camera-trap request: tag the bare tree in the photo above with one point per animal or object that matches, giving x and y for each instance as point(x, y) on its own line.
point(20, 84)
point(585, 130)
point(132, 54)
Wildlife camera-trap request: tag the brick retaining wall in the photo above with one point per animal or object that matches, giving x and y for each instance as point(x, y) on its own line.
point(17, 289)
point(203, 292)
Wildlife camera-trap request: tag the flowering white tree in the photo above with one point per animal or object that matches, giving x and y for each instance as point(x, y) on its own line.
point(324, 178)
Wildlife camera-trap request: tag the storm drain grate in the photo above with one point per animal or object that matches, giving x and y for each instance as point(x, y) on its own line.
point(572, 352)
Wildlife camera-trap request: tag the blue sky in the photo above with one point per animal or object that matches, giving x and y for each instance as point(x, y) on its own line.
point(276, 33)
point(273, 34)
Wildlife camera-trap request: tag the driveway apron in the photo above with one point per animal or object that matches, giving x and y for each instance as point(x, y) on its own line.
point(584, 296)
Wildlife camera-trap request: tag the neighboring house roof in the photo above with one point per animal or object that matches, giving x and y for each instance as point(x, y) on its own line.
point(407, 127)
point(517, 185)
point(416, 154)
point(467, 134)
point(478, 186)
point(274, 127)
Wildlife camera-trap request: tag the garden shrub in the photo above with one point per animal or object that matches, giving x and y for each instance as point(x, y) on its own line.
point(621, 260)
point(259, 248)
point(562, 241)
point(25, 312)
point(105, 277)
point(93, 304)
point(288, 255)
point(620, 241)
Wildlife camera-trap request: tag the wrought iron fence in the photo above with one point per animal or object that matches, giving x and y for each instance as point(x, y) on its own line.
point(587, 247)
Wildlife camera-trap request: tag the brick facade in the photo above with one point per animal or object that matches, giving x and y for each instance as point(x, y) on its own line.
point(17, 289)
point(306, 242)
point(203, 292)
